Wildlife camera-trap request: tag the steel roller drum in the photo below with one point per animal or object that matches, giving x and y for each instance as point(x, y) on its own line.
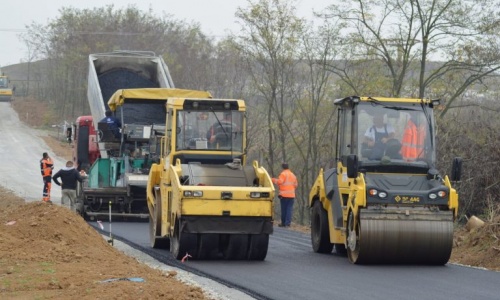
point(413, 235)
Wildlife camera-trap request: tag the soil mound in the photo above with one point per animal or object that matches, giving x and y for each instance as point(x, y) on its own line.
point(478, 247)
point(48, 252)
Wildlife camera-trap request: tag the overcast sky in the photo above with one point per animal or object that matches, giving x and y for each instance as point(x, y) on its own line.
point(216, 17)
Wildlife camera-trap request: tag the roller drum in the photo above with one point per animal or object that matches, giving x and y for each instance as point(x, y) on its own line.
point(405, 236)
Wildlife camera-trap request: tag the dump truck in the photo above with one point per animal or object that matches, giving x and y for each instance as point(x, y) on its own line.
point(385, 201)
point(5, 90)
point(204, 201)
point(118, 167)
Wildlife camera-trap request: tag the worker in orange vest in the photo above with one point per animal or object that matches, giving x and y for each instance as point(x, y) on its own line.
point(287, 183)
point(414, 138)
point(46, 167)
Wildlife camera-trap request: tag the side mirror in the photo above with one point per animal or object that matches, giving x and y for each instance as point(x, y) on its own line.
point(69, 134)
point(352, 166)
point(432, 174)
point(456, 169)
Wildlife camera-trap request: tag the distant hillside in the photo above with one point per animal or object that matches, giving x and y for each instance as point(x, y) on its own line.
point(19, 72)
point(18, 75)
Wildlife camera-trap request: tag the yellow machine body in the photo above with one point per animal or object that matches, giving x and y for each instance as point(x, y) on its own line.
point(377, 204)
point(204, 201)
point(5, 90)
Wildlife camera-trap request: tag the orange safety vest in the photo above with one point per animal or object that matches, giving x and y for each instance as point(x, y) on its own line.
point(46, 166)
point(413, 141)
point(287, 183)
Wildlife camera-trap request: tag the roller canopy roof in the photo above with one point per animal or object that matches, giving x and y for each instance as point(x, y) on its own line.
point(120, 96)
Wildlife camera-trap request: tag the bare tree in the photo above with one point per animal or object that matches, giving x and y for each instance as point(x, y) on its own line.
point(313, 133)
point(269, 41)
point(31, 54)
point(65, 43)
point(406, 36)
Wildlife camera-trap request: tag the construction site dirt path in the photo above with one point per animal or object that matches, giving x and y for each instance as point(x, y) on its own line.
point(20, 153)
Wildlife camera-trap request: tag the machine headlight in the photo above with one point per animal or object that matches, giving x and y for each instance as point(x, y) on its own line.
point(375, 192)
point(259, 195)
point(440, 194)
point(254, 194)
point(193, 194)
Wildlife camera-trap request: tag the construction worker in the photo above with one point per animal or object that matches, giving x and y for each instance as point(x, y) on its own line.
point(70, 178)
point(46, 167)
point(376, 136)
point(287, 183)
point(414, 137)
point(220, 131)
point(113, 123)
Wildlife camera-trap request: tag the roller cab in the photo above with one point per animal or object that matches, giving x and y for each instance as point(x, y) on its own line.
point(385, 201)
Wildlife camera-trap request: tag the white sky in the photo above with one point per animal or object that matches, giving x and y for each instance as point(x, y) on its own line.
point(216, 17)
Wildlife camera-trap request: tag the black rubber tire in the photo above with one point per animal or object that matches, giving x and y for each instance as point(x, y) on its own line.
point(182, 244)
point(237, 247)
point(353, 254)
point(82, 147)
point(258, 245)
point(155, 227)
point(208, 246)
point(320, 232)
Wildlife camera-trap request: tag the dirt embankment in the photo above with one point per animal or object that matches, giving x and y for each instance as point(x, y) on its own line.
point(48, 252)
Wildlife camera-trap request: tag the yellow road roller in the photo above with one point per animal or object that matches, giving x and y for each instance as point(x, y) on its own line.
point(5, 90)
point(384, 201)
point(205, 202)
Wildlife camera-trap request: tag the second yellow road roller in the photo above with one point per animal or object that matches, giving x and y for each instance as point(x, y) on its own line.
point(384, 201)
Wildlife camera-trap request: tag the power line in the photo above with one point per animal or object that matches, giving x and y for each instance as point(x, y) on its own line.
point(109, 33)
point(12, 30)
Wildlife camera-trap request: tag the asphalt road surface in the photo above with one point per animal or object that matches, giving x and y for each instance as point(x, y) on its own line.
point(291, 269)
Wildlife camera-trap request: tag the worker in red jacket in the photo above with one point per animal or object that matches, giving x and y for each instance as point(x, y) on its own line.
point(46, 167)
point(287, 183)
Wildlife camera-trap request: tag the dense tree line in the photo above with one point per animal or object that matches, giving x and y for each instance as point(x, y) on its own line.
point(289, 70)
